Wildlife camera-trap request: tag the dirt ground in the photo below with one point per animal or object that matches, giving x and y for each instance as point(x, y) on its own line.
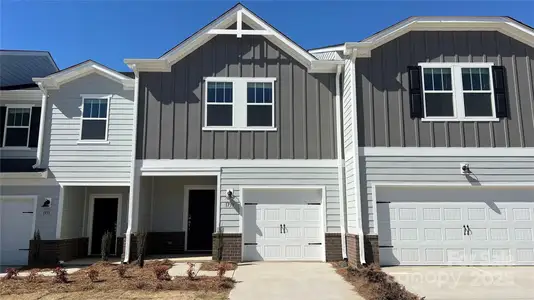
point(86, 295)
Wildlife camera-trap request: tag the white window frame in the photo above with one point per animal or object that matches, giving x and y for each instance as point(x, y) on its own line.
point(239, 103)
point(8, 107)
point(458, 92)
point(82, 118)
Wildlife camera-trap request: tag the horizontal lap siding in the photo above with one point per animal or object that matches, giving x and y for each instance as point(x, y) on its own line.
point(441, 170)
point(348, 142)
point(236, 178)
point(69, 160)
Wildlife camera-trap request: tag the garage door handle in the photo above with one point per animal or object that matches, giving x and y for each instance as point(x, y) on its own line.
point(24, 249)
point(465, 230)
point(280, 228)
point(468, 230)
point(285, 228)
point(312, 244)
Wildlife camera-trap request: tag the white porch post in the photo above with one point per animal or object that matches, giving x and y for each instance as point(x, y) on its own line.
point(60, 211)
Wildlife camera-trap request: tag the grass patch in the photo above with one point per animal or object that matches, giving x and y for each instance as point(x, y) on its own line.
point(374, 284)
point(134, 279)
point(213, 265)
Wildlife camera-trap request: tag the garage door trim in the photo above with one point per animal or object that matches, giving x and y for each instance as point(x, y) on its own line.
point(17, 197)
point(284, 187)
point(374, 186)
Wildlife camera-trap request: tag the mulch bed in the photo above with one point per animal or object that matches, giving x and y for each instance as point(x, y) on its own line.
point(374, 284)
point(108, 279)
point(213, 265)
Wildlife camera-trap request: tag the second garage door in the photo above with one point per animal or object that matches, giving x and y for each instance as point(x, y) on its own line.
point(456, 226)
point(283, 224)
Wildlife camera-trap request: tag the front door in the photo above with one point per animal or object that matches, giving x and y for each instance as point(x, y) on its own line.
point(104, 219)
point(201, 223)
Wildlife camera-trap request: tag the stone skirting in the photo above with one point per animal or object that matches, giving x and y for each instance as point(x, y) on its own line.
point(371, 249)
point(227, 246)
point(333, 247)
point(50, 252)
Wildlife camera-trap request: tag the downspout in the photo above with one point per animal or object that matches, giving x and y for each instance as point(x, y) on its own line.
point(40, 143)
point(340, 164)
point(356, 160)
point(133, 169)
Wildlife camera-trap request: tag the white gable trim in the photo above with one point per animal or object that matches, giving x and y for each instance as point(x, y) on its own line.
point(504, 25)
point(238, 14)
point(54, 81)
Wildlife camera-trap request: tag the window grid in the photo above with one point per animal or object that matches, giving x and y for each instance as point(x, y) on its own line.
point(17, 118)
point(94, 108)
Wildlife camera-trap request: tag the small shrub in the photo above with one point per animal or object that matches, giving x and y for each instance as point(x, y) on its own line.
point(121, 270)
point(140, 238)
point(11, 273)
point(34, 274)
point(61, 275)
point(92, 274)
point(162, 273)
point(36, 255)
point(105, 248)
point(191, 274)
point(221, 269)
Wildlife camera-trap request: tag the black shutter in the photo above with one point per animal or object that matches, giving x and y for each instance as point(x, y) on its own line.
point(3, 111)
point(34, 127)
point(415, 91)
point(499, 88)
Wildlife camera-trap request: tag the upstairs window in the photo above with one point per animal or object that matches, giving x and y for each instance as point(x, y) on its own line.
point(458, 92)
point(237, 103)
point(94, 119)
point(17, 127)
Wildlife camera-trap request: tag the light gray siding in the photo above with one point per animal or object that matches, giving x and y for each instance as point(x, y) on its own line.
point(236, 178)
point(69, 160)
point(45, 218)
point(168, 200)
point(382, 87)
point(74, 208)
point(171, 106)
point(402, 169)
point(348, 142)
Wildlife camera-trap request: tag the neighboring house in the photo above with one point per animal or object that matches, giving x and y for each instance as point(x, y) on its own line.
point(441, 110)
point(411, 147)
point(21, 192)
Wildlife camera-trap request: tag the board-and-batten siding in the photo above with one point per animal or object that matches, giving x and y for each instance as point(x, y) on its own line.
point(382, 85)
point(69, 160)
point(348, 142)
point(402, 170)
point(171, 106)
point(236, 178)
point(45, 223)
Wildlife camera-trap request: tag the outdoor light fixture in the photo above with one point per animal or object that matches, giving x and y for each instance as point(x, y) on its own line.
point(47, 203)
point(464, 168)
point(229, 194)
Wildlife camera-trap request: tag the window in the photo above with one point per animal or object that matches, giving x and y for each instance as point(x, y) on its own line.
point(94, 119)
point(239, 103)
point(17, 129)
point(458, 91)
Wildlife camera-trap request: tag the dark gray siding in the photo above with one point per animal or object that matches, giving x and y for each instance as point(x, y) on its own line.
point(171, 107)
point(382, 87)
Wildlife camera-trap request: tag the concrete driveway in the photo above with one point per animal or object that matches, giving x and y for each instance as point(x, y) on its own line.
point(484, 283)
point(290, 280)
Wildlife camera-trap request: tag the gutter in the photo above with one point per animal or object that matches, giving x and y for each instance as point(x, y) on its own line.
point(133, 168)
point(340, 164)
point(356, 160)
point(40, 143)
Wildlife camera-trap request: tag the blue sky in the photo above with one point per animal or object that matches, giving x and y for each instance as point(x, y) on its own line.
point(109, 31)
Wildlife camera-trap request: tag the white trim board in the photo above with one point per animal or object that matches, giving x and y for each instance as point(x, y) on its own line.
point(283, 187)
point(444, 151)
point(214, 165)
point(187, 189)
point(91, 217)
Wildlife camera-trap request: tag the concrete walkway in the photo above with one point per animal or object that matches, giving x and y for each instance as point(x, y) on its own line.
point(292, 281)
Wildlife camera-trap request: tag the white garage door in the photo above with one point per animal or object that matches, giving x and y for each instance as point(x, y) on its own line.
point(283, 225)
point(16, 221)
point(458, 226)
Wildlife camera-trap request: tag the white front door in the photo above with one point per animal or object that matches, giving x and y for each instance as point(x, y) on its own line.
point(16, 222)
point(456, 232)
point(283, 225)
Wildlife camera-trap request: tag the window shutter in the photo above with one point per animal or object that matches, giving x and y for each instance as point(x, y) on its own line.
point(34, 127)
point(415, 91)
point(3, 111)
point(499, 88)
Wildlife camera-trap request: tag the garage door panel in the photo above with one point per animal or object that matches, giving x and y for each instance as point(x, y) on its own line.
point(16, 221)
point(424, 232)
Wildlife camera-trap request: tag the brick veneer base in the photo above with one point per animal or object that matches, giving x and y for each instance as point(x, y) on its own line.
point(333, 247)
point(230, 245)
point(371, 249)
point(50, 252)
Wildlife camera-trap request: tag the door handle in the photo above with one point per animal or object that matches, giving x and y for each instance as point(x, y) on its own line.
point(280, 228)
point(285, 228)
point(468, 230)
point(465, 230)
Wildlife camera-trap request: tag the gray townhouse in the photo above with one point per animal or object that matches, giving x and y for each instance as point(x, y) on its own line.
point(413, 146)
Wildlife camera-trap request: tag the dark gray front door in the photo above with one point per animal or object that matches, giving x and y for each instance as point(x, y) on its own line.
point(200, 220)
point(104, 219)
